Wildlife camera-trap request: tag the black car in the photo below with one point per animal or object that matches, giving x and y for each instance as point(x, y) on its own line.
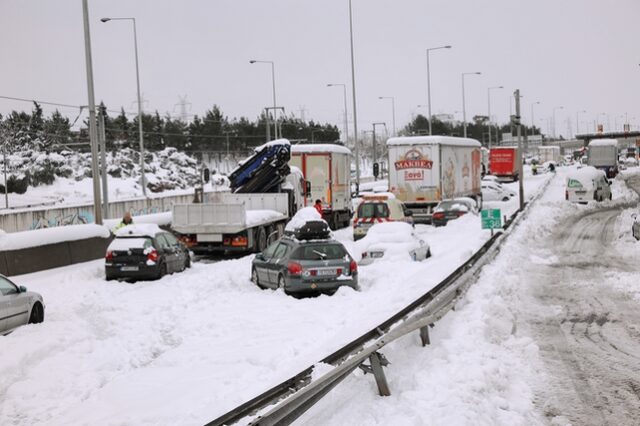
point(145, 252)
point(305, 264)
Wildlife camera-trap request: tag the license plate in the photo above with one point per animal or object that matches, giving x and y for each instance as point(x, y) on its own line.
point(129, 268)
point(581, 192)
point(325, 272)
point(377, 254)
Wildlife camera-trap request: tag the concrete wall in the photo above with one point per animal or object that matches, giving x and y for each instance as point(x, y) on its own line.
point(34, 259)
point(50, 217)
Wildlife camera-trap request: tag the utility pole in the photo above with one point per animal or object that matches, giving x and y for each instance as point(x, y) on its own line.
point(93, 131)
point(353, 91)
point(183, 107)
point(516, 120)
point(103, 160)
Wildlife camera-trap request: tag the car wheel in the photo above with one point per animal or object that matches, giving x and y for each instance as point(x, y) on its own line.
point(281, 282)
point(414, 257)
point(610, 196)
point(428, 253)
point(162, 271)
point(261, 240)
point(187, 263)
point(37, 314)
point(255, 279)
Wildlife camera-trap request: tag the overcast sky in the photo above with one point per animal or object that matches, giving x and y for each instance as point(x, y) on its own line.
point(579, 54)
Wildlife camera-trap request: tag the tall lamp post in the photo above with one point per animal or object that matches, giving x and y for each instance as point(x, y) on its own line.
point(375, 150)
point(346, 119)
point(578, 121)
point(393, 110)
point(429, 82)
point(273, 83)
point(353, 91)
point(135, 44)
point(464, 108)
point(555, 136)
point(489, 108)
point(533, 121)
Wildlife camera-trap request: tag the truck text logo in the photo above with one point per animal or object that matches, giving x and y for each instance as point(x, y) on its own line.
point(414, 159)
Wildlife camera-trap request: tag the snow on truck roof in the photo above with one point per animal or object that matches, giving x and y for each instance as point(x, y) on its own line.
point(604, 142)
point(432, 140)
point(320, 147)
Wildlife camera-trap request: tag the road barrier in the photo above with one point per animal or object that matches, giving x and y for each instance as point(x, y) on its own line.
point(293, 397)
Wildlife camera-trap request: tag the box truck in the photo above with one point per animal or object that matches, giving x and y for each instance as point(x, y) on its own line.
point(503, 163)
point(549, 153)
point(327, 167)
point(603, 155)
point(424, 170)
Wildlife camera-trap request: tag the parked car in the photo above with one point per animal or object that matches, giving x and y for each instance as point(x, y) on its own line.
point(587, 184)
point(18, 306)
point(635, 228)
point(493, 192)
point(452, 209)
point(145, 252)
point(378, 208)
point(392, 240)
point(305, 261)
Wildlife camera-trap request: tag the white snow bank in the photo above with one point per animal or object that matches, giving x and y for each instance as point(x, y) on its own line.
point(41, 237)
point(140, 229)
point(303, 216)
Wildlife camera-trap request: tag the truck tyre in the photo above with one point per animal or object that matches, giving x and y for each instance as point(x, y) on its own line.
point(261, 239)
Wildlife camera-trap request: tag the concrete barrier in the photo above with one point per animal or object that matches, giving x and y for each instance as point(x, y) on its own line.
point(16, 221)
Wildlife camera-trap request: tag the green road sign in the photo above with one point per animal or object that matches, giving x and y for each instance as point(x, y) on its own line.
point(491, 219)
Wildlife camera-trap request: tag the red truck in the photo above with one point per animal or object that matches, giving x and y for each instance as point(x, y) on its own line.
point(503, 163)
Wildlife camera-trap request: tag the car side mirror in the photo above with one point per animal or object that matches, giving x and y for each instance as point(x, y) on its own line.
point(23, 289)
point(259, 256)
point(307, 188)
point(408, 213)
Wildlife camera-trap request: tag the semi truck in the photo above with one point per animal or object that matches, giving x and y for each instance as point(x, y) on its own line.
point(265, 193)
point(503, 163)
point(327, 169)
point(603, 155)
point(424, 170)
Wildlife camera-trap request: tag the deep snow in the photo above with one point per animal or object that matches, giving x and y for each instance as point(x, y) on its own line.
point(189, 347)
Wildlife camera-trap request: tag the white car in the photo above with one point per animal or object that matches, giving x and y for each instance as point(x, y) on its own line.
point(18, 306)
point(392, 241)
point(492, 192)
point(587, 184)
point(490, 178)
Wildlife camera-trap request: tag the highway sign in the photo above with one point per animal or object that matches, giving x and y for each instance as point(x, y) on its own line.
point(491, 219)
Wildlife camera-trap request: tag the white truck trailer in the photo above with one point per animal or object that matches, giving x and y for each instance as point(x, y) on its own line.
point(603, 155)
point(328, 169)
point(424, 170)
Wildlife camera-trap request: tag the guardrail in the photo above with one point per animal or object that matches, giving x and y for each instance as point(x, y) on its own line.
point(297, 394)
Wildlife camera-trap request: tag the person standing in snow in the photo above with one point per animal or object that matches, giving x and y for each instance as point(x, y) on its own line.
point(318, 206)
point(126, 220)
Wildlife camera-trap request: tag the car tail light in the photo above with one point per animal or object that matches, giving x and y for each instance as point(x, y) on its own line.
point(438, 215)
point(461, 214)
point(353, 267)
point(339, 271)
point(294, 268)
point(109, 256)
point(152, 255)
point(239, 242)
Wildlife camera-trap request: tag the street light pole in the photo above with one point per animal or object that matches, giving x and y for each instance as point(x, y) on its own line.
point(93, 130)
point(353, 91)
point(533, 121)
point(135, 44)
point(578, 121)
point(555, 136)
point(346, 118)
point(489, 108)
point(464, 108)
point(429, 83)
point(393, 111)
point(273, 82)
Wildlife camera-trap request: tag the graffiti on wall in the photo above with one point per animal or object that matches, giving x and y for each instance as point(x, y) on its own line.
point(145, 210)
point(77, 218)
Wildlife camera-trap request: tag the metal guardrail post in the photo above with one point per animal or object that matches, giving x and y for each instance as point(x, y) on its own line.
point(376, 360)
point(424, 336)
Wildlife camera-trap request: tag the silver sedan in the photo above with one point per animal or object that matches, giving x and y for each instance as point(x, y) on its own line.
point(18, 306)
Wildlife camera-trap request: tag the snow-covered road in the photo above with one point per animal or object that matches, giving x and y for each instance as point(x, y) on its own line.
point(189, 347)
point(549, 334)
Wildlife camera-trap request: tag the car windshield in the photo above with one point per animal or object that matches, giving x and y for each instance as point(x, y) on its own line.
point(128, 243)
point(369, 210)
point(319, 252)
point(453, 205)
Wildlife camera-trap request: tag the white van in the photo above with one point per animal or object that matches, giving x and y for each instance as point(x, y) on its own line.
point(587, 184)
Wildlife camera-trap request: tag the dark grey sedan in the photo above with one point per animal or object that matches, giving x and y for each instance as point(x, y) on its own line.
point(304, 267)
point(18, 306)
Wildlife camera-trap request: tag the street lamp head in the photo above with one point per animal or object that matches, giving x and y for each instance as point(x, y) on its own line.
point(447, 47)
point(477, 73)
point(252, 61)
point(105, 19)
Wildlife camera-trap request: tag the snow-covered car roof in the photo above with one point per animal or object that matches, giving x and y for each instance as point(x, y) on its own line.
point(462, 204)
point(586, 175)
point(320, 147)
point(394, 238)
point(603, 142)
point(139, 230)
point(302, 216)
point(433, 140)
